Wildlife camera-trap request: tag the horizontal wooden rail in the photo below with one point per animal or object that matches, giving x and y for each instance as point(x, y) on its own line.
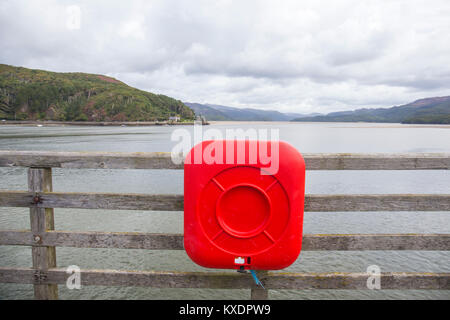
point(87, 160)
point(152, 241)
point(377, 202)
point(110, 201)
point(313, 203)
point(380, 161)
point(216, 280)
point(162, 160)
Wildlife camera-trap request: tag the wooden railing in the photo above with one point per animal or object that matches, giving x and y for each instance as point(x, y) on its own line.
point(40, 198)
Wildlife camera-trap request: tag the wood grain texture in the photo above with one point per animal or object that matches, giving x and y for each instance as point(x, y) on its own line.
point(377, 202)
point(110, 201)
point(166, 202)
point(377, 161)
point(42, 220)
point(121, 240)
point(162, 160)
point(356, 242)
point(151, 241)
point(88, 160)
point(233, 280)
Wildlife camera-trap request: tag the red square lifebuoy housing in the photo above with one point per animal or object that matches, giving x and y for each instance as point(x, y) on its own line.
point(241, 212)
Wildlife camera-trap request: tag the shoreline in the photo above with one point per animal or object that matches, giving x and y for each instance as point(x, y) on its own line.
point(348, 124)
point(97, 124)
point(213, 122)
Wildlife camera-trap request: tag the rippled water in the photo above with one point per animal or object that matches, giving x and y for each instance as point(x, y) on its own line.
point(317, 137)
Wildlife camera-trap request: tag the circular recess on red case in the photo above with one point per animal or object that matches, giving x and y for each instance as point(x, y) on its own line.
point(243, 211)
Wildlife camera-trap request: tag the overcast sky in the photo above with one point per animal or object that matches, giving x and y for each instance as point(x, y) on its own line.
point(293, 56)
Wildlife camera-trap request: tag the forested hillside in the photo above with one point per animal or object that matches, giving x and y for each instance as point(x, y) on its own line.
point(27, 94)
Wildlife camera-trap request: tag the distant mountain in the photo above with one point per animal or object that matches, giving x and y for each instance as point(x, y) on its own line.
point(27, 94)
point(213, 112)
point(430, 110)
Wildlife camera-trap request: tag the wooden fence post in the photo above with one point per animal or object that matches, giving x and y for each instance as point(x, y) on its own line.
point(42, 219)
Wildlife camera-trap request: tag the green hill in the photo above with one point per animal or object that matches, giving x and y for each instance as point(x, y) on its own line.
point(430, 110)
point(27, 94)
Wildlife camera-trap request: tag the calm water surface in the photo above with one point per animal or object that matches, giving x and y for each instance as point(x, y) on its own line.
point(306, 137)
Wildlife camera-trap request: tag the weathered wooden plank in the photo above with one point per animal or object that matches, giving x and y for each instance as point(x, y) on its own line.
point(42, 220)
point(377, 161)
point(150, 241)
point(165, 202)
point(358, 281)
point(356, 242)
point(120, 240)
point(162, 160)
point(233, 280)
point(88, 160)
point(377, 202)
point(110, 201)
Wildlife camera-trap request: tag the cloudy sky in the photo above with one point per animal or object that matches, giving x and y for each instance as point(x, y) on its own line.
point(293, 56)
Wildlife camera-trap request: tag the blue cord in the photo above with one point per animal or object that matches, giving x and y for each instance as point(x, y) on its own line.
point(255, 277)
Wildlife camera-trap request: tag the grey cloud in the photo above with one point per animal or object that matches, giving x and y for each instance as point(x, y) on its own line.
point(308, 55)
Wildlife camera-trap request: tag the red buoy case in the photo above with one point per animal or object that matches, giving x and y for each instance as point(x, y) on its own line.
point(236, 215)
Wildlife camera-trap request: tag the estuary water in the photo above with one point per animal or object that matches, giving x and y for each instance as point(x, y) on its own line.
point(306, 137)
